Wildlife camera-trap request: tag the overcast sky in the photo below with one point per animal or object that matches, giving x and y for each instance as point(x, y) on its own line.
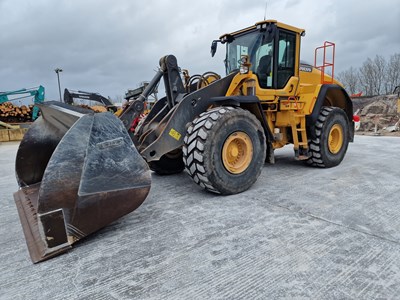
point(110, 46)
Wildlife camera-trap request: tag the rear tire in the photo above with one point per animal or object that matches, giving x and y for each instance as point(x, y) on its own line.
point(170, 163)
point(332, 138)
point(224, 150)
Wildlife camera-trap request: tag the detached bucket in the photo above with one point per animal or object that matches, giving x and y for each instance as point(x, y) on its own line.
point(77, 171)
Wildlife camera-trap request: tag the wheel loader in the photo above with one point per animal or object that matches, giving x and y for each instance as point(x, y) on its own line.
point(79, 171)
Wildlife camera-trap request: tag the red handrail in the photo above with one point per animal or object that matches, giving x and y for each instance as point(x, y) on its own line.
point(325, 63)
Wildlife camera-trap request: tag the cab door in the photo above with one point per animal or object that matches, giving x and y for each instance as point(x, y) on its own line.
point(277, 68)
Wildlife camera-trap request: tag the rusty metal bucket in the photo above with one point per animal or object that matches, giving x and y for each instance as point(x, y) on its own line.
point(77, 171)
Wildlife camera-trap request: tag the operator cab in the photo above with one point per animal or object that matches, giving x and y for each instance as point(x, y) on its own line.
point(271, 49)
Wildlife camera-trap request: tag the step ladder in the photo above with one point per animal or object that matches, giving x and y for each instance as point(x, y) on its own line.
point(299, 134)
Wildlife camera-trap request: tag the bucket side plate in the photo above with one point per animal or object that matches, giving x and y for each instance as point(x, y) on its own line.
point(40, 248)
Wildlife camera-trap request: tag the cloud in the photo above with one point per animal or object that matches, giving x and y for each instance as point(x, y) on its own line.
point(108, 47)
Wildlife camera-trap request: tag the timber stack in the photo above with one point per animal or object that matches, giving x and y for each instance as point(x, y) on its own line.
point(10, 113)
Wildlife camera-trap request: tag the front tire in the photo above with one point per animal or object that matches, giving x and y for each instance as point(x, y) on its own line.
point(331, 138)
point(224, 150)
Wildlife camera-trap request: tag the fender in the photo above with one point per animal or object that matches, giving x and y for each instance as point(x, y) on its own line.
point(332, 95)
point(250, 103)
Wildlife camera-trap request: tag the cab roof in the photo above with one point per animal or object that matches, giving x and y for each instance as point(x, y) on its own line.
point(266, 22)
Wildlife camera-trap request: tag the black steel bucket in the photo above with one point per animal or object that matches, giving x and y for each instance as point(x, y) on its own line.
point(78, 171)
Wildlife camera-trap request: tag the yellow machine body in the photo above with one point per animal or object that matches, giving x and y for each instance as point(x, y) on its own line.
point(287, 107)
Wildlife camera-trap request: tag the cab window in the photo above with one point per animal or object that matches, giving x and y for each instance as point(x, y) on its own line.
point(264, 64)
point(286, 57)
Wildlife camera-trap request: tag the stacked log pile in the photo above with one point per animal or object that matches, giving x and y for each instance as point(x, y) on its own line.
point(95, 108)
point(10, 113)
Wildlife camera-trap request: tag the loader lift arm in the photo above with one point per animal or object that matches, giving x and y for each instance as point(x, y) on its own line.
point(169, 71)
point(174, 111)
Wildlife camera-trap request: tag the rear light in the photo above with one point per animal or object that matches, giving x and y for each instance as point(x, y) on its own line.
point(356, 120)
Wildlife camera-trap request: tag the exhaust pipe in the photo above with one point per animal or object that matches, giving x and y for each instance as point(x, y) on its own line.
point(78, 171)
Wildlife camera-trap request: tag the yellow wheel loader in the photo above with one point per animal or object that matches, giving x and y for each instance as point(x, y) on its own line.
point(79, 171)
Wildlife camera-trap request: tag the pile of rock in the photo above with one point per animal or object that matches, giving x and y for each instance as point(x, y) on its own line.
point(377, 114)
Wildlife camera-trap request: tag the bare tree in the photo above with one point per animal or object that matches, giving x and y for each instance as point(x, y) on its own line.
point(374, 77)
point(393, 73)
point(366, 77)
point(350, 79)
point(379, 74)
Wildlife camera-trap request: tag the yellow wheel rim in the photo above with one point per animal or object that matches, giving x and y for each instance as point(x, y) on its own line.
point(237, 152)
point(335, 141)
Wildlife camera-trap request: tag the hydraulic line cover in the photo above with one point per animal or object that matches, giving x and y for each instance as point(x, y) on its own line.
point(78, 171)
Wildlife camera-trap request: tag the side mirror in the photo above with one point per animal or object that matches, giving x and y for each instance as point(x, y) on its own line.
point(214, 47)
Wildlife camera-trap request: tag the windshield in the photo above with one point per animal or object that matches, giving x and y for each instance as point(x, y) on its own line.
point(255, 44)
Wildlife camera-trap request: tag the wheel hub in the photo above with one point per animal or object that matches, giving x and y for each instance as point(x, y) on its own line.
point(335, 141)
point(237, 152)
